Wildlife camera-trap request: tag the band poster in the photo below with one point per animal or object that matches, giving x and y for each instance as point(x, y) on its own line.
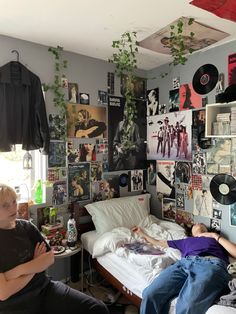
point(126, 142)
point(169, 136)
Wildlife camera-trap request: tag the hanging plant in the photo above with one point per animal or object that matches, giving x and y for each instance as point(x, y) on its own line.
point(179, 41)
point(56, 87)
point(126, 63)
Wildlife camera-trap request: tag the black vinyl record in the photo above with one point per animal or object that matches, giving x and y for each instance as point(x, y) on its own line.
point(123, 179)
point(205, 79)
point(223, 189)
point(204, 142)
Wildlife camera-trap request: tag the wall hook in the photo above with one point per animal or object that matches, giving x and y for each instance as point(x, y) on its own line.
point(17, 54)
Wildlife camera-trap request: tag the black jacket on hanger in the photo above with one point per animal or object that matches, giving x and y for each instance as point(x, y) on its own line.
point(23, 118)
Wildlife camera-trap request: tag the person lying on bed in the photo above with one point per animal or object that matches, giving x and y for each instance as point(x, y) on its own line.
point(24, 256)
point(198, 279)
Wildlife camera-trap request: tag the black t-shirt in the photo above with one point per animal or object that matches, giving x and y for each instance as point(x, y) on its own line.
point(17, 247)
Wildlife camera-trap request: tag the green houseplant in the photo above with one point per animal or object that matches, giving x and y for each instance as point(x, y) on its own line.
point(56, 87)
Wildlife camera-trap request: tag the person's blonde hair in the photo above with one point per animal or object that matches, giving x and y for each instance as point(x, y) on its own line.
point(6, 193)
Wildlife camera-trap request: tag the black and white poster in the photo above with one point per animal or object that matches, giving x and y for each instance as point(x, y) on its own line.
point(152, 102)
point(126, 140)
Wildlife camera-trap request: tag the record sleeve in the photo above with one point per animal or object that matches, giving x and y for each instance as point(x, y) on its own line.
point(123, 179)
point(205, 79)
point(223, 189)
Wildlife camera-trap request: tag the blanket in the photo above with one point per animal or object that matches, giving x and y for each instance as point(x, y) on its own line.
point(229, 299)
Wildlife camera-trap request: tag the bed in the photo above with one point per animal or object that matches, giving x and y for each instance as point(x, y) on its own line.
point(129, 272)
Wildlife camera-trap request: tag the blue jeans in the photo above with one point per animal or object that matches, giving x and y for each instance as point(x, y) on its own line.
point(196, 281)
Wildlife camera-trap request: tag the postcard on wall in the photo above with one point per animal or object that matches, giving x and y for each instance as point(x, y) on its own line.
point(173, 100)
point(73, 93)
point(179, 201)
point(151, 172)
point(73, 151)
point(168, 209)
point(59, 194)
point(79, 181)
point(57, 154)
point(183, 172)
point(152, 102)
point(169, 136)
point(215, 225)
point(203, 200)
point(57, 126)
point(86, 121)
point(216, 213)
point(96, 171)
point(165, 178)
point(196, 182)
point(232, 69)
point(136, 180)
point(84, 98)
point(102, 97)
point(57, 174)
point(199, 162)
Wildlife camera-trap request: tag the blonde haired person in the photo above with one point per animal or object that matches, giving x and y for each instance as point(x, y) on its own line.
point(24, 287)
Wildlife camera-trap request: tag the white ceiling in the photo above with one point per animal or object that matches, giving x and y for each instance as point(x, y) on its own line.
point(89, 26)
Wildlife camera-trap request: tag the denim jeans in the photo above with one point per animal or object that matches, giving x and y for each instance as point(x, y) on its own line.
point(196, 281)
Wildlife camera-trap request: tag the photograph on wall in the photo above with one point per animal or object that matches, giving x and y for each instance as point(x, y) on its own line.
point(73, 151)
point(102, 97)
point(87, 152)
point(188, 98)
point(96, 171)
point(79, 181)
point(103, 190)
point(139, 86)
point(151, 172)
point(59, 193)
point(86, 121)
point(215, 225)
point(199, 162)
point(57, 154)
point(84, 98)
point(57, 174)
point(183, 172)
point(176, 82)
point(169, 136)
point(57, 126)
point(73, 93)
point(126, 139)
point(168, 209)
point(219, 157)
point(220, 85)
point(216, 213)
point(232, 215)
point(152, 102)
point(102, 149)
point(179, 201)
point(204, 36)
point(136, 180)
point(173, 100)
point(232, 69)
point(183, 218)
point(165, 179)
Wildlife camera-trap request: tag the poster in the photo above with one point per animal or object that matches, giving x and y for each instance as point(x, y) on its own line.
point(188, 98)
point(151, 172)
point(126, 142)
point(169, 136)
point(152, 102)
point(168, 209)
point(57, 127)
point(165, 178)
point(86, 121)
point(173, 100)
point(202, 199)
point(57, 154)
point(136, 180)
point(232, 69)
point(79, 181)
point(59, 194)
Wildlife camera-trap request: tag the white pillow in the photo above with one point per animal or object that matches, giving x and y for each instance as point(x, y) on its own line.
point(119, 212)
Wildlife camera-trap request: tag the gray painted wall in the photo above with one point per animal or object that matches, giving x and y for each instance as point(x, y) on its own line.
point(217, 56)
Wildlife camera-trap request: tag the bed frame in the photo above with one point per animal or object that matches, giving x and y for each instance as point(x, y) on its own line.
point(84, 224)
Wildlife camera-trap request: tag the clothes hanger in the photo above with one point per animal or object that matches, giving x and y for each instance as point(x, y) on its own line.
point(17, 54)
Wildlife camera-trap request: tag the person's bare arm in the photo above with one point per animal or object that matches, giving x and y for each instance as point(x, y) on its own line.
point(10, 287)
point(140, 232)
point(229, 246)
point(41, 261)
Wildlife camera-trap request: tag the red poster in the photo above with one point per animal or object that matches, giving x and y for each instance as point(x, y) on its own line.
point(232, 69)
point(189, 99)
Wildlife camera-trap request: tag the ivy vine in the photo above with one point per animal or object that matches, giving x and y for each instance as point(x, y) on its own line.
point(126, 62)
point(56, 87)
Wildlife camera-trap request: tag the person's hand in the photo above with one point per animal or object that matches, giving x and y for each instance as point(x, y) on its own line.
point(213, 235)
point(40, 249)
point(138, 231)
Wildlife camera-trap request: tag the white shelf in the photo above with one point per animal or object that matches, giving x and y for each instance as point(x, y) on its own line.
point(211, 112)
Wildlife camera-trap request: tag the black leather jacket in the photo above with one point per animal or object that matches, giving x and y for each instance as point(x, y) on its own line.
point(23, 118)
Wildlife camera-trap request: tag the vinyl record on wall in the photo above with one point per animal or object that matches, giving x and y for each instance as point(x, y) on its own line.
point(205, 79)
point(123, 179)
point(223, 189)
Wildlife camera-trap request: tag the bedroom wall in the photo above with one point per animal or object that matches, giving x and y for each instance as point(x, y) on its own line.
point(217, 56)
